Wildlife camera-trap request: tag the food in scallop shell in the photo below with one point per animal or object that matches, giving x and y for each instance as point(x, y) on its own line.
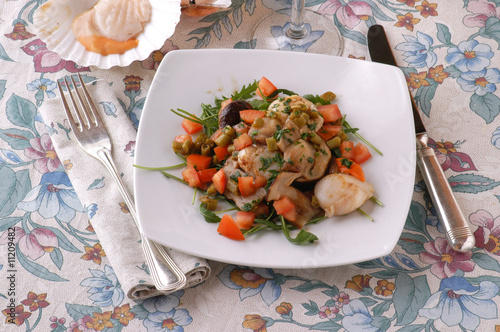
point(112, 25)
point(54, 19)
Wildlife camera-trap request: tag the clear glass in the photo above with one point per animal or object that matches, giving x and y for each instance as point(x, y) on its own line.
point(302, 31)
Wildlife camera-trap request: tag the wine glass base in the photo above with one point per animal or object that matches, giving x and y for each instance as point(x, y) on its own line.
point(322, 36)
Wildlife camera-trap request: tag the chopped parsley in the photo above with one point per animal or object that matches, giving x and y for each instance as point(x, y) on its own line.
point(346, 162)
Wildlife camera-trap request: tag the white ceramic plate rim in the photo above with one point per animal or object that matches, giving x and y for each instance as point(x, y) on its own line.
point(375, 99)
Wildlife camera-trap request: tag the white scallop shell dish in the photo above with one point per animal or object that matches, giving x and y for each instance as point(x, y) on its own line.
point(53, 23)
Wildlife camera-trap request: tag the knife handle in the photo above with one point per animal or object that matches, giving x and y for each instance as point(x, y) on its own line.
point(448, 211)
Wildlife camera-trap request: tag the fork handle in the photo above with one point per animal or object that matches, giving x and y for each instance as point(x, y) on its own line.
point(166, 275)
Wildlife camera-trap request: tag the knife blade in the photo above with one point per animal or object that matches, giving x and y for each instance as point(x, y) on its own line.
point(456, 226)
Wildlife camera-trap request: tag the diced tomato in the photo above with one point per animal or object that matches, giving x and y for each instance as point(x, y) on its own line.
point(249, 116)
point(191, 177)
point(191, 127)
point(246, 186)
point(327, 132)
point(260, 181)
point(225, 103)
point(348, 166)
point(283, 205)
point(361, 153)
point(229, 228)
point(242, 141)
point(241, 128)
point(244, 219)
point(219, 180)
point(216, 134)
point(206, 175)
point(330, 112)
point(221, 152)
point(290, 215)
point(183, 138)
point(266, 87)
point(347, 149)
point(198, 161)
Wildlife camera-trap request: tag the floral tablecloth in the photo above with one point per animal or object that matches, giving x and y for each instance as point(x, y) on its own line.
point(59, 278)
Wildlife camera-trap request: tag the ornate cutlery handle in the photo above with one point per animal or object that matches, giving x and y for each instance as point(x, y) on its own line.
point(167, 276)
point(449, 214)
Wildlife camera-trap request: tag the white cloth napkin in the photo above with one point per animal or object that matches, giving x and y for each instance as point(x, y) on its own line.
point(98, 192)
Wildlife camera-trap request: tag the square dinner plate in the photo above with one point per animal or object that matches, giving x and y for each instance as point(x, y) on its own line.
point(374, 97)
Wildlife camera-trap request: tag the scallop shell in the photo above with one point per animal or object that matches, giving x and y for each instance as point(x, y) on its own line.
point(53, 21)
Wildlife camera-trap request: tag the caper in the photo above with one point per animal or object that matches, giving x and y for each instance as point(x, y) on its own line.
point(210, 203)
point(207, 148)
point(177, 146)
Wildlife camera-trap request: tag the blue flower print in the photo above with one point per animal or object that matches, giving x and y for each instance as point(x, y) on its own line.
point(417, 50)
point(163, 303)
point(357, 317)
point(459, 303)
point(40, 86)
point(470, 56)
point(495, 138)
point(92, 209)
point(251, 282)
point(480, 82)
point(279, 33)
point(163, 315)
point(105, 289)
point(174, 320)
point(53, 197)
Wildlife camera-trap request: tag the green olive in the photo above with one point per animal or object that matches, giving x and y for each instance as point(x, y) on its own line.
point(223, 140)
point(334, 143)
point(328, 96)
point(271, 144)
point(258, 123)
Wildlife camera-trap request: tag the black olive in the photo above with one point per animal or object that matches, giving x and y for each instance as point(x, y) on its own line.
point(230, 115)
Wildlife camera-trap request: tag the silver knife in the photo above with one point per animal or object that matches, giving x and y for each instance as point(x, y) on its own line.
point(448, 211)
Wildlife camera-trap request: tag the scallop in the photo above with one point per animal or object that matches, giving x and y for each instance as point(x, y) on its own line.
point(340, 194)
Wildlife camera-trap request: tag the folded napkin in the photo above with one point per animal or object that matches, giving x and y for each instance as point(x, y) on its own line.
point(97, 191)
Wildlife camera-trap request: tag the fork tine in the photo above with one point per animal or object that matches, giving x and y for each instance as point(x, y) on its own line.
point(69, 116)
point(97, 118)
point(84, 108)
point(77, 112)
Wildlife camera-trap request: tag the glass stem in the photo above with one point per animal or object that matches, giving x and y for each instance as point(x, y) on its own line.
point(297, 29)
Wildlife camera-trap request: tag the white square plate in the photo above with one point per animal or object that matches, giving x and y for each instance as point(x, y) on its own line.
point(374, 97)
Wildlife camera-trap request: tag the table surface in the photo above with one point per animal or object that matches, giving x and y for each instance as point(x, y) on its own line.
point(449, 52)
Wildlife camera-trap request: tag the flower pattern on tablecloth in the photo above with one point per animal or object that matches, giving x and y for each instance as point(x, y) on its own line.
point(421, 285)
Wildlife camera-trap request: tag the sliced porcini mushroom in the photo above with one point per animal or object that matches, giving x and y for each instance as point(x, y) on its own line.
point(322, 159)
point(301, 157)
point(230, 115)
point(281, 187)
point(258, 160)
point(287, 135)
point(340, 194)
point(231, 170)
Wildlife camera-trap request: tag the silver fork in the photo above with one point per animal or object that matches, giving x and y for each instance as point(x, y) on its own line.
point(93, 138)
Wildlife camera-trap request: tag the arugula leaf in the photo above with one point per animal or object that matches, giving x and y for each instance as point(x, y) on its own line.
point(246, 92)
point(303, 237)
point(209, 216)
point(316, 99)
